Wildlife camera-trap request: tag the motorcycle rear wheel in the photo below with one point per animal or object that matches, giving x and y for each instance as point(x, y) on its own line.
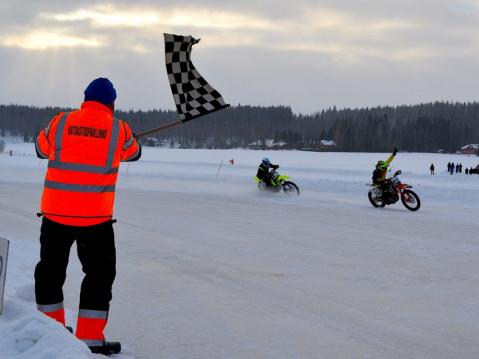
point(375, 203)
point(290, 187)
point(410, 200)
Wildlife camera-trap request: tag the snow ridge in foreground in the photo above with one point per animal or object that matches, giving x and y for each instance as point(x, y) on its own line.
point(26, 333)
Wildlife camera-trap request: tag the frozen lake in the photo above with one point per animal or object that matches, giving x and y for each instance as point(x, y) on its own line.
point(208, 267)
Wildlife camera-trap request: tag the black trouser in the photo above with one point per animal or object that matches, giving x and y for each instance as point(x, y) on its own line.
point(96, 251)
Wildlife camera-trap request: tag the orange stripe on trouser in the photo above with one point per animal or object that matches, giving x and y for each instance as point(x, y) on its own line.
point(54, 311)
point(58, 315)
point(91, 329)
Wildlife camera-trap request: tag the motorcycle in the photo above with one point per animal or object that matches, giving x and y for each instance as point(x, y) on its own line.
point(396, 190)
point(278, 183)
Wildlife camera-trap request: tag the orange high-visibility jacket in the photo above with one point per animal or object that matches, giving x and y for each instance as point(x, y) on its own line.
point(84, 149)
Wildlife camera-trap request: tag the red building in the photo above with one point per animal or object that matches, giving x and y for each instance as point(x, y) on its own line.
point(472, 149)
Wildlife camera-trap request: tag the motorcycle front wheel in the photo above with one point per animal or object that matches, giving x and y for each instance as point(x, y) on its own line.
point(410, 200)
point(290, 187)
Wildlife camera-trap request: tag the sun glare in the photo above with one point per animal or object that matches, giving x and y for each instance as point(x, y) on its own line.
point(319, 29)
point(42, 40)
point(100, 17)
point(216, 20)
point(108, 16)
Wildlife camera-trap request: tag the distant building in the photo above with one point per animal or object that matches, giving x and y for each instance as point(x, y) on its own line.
point(472, 149)
point(323, 146)
point(261, 144)
point(327, 145)
point(280, 145)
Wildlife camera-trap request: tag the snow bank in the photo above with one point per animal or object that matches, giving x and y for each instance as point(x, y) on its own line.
point(25, 332)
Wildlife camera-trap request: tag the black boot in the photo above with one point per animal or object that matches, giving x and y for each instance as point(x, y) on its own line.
point(107, 348)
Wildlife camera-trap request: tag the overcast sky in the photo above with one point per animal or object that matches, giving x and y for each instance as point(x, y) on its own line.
point(307, 54)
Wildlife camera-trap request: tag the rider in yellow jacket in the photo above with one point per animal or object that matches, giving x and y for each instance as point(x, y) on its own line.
point(381, 170)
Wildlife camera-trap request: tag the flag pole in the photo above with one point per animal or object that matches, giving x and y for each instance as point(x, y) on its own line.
point(176, 123)
point(161, 128)
point(221, 165)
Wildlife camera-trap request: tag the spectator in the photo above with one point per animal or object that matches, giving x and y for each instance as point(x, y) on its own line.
point(467, 171)
point(452, 167)
point(432, 168)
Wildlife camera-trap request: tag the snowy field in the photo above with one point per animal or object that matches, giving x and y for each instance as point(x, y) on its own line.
point(210, 268)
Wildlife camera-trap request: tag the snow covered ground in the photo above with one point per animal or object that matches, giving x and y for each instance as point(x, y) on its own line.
point(208, 267)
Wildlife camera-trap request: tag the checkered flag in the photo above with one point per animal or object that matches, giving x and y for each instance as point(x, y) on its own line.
point(194, 97)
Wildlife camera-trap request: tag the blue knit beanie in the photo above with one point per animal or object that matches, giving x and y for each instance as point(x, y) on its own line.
point(101, 90)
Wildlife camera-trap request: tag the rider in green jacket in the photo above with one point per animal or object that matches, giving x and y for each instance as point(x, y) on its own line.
point(264, 173)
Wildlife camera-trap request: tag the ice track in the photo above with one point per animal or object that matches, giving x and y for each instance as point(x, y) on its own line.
point(210, 268)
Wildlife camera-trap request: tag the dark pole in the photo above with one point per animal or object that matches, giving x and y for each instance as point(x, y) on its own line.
point(157, 129)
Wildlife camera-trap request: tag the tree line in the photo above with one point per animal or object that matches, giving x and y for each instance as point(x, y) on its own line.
point(420, 128)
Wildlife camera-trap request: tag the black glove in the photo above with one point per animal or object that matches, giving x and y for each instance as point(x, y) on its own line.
point(275, 167)
point(395, 150)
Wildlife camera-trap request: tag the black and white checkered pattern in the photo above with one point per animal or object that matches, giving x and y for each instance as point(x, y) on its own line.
point(193, 96)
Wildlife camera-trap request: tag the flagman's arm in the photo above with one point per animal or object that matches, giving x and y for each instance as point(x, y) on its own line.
point(131, 150)
point(43, 143)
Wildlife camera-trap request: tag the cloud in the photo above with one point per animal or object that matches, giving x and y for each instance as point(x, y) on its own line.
point(273, 51)
point(45, 39)
point(324, 29)
point(198, 17)
point(106, 15)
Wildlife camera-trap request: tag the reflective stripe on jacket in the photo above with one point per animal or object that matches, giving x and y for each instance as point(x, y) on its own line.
point(84, 149)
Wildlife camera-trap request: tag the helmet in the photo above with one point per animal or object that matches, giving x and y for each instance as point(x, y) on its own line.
point(382, 165)
point(266, 161)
